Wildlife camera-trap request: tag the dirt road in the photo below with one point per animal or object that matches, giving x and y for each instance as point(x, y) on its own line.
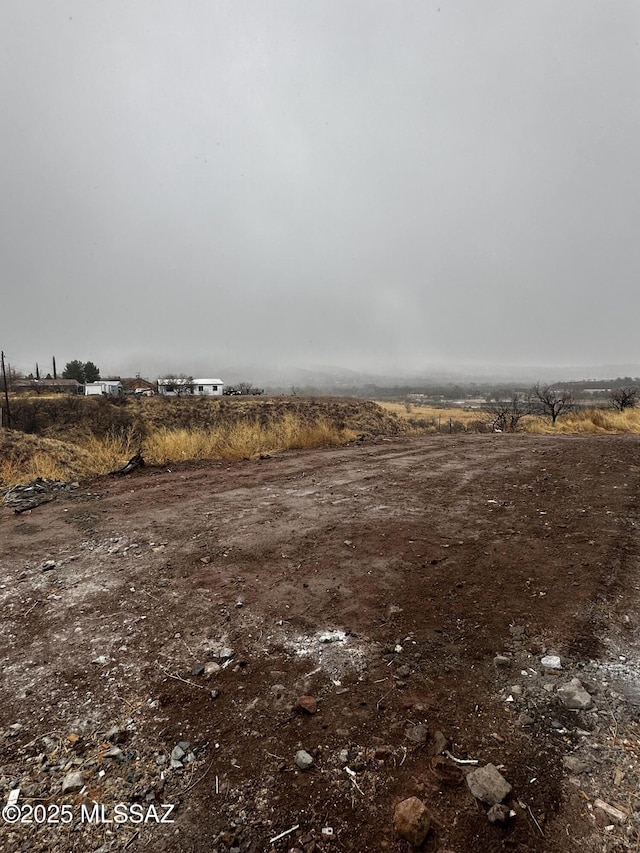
point(382, 579)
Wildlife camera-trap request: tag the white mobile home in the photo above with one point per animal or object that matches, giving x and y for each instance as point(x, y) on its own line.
point(196, 387)
point(110, 387)
point(208, 387)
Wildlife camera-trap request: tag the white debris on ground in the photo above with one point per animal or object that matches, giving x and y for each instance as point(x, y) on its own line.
point(333, 650)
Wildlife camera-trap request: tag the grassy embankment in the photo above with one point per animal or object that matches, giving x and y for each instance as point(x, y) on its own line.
point(69, 439)
point(82, 437)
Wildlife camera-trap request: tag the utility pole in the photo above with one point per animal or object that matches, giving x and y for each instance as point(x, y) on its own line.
point(55, 375)
point(6, 390)
point(37, 371)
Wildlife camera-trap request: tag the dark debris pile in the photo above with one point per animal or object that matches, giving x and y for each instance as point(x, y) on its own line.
point(38, 491)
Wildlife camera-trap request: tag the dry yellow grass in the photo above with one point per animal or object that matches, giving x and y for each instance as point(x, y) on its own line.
point(244, 440)
point(587, 421)
point(25, 457)
point(439, 416)
point(111, 451)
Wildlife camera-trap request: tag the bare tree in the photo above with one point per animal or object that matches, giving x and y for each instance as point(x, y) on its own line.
point(553, 402)
point(244, 389)
point(505, 416)
point(178, 384)
point(624, 398)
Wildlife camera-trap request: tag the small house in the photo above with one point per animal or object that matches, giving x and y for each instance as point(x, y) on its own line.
point(48, 386)
point(138, 387)
point(107, 387)
point(208, 387)
point(182, 387)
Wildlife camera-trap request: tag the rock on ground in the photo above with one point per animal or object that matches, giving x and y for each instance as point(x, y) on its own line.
point(488, 784)
point(412, 821)
point(574, 697)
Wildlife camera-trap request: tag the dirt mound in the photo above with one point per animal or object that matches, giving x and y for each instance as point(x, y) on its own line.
point(24, 457)
point(360, 416)
point(72, 418)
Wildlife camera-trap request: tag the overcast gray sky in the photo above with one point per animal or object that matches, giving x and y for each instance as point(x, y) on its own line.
point(387, 185)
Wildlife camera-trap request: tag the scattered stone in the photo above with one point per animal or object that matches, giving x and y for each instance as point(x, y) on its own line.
point(205, 560)
point(211, 668)
point(411, 821)
point(488, 784)
point(574, 696)
point(178, 753)
point(501, 660)
point(417, 734)
point(551, 662)
point(575, 764)
point(440, 743)
point(72, 782)
point(306, 705)
point(197, 669)
point(48, 565)
point(525, 719)
point(278, 691)
point(225, 653)
point(114, 752)
point(403, 671)
point(499, 813)
point(303, 760)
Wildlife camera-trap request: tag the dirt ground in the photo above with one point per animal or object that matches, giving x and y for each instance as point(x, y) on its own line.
point(410, 586)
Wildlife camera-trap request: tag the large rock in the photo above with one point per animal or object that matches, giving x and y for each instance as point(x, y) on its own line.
point(306, 705)
point(488, 784)
point(412, 821)
point(303, 760)
point(417, 734)
point(574, 696)
point(72, 782)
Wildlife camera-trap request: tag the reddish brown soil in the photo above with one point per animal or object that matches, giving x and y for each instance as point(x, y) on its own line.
point(432, 555)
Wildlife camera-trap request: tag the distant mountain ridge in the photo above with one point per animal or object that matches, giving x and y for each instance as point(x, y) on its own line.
point(333, 377)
